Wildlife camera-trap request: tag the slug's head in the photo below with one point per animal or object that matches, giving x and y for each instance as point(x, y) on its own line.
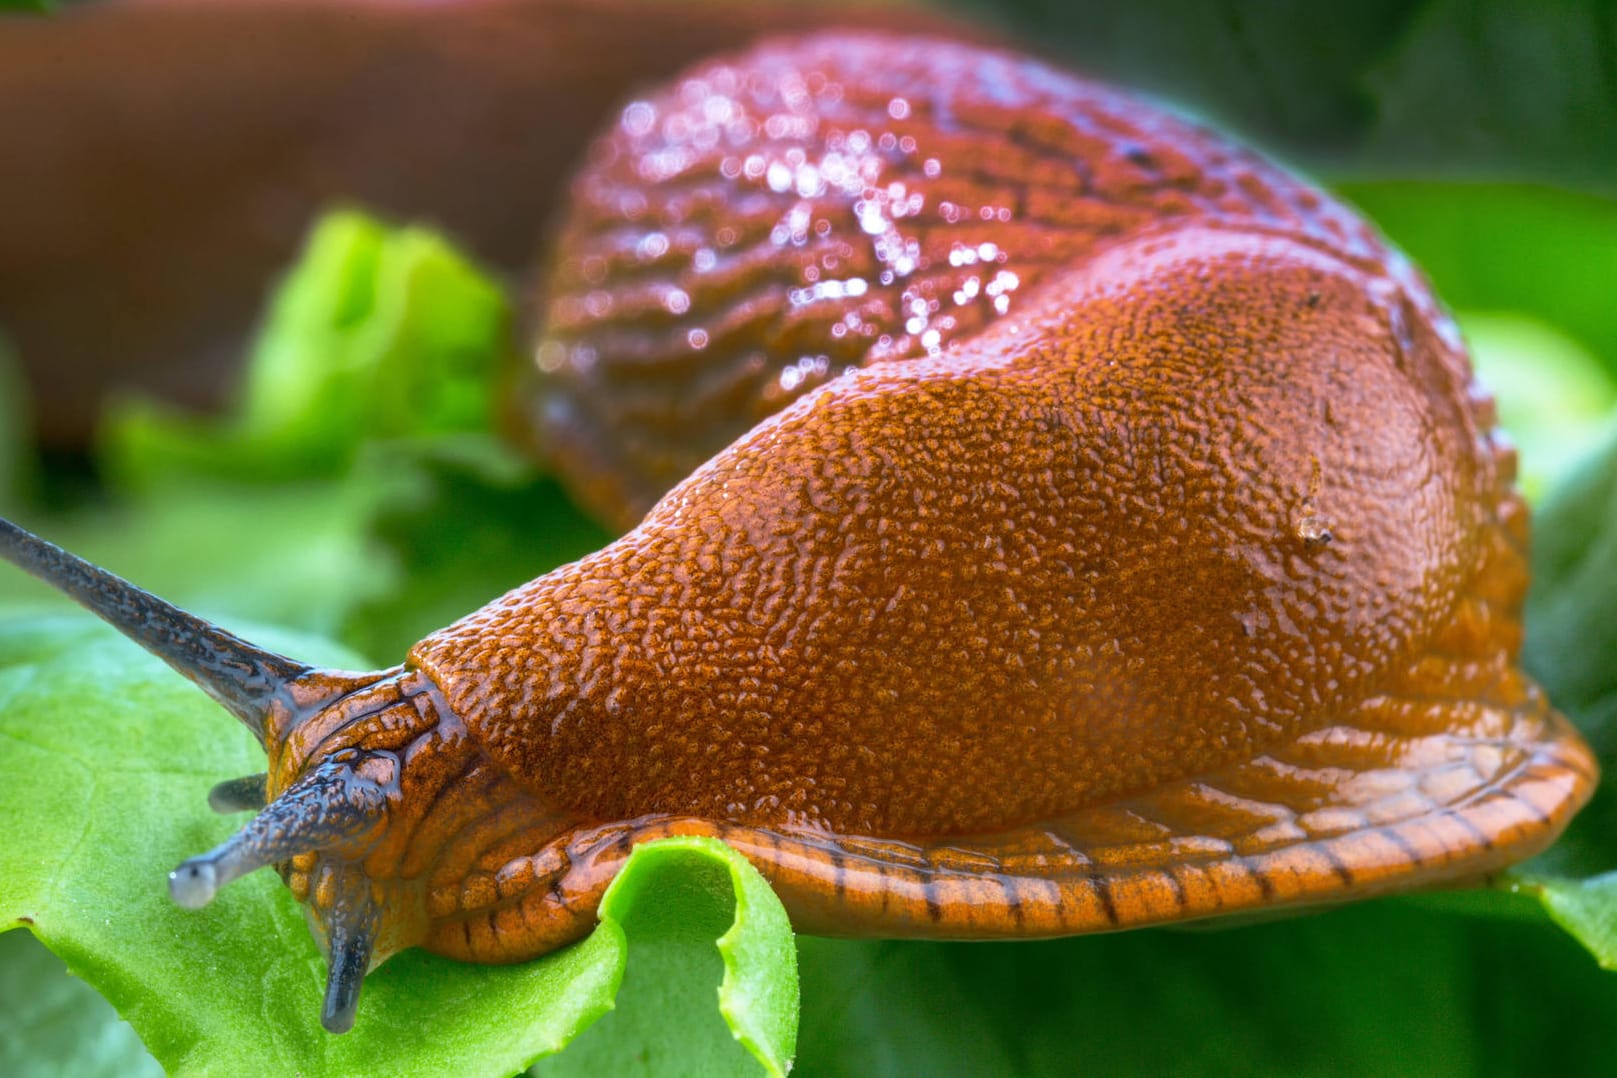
point(335, 744)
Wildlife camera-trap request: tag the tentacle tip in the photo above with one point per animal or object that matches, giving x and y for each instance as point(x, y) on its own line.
point(342, 999)
point(193, 884)
point(339, 1018)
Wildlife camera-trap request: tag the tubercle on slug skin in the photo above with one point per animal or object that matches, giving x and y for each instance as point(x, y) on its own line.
point(1031, 636)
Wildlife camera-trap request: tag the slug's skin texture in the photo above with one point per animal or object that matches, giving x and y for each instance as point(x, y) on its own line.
point(746, 235)
point(1188, 589)
point(1143, 551)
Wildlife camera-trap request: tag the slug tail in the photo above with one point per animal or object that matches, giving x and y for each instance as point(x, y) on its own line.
point(246, 680)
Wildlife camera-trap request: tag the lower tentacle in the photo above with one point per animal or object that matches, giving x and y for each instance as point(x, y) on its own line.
point(350, 927)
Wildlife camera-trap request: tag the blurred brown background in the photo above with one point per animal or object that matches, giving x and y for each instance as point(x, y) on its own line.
point(159, 159)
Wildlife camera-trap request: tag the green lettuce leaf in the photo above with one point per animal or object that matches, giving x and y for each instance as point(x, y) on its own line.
point(466, 520)
point(663, 900)
point(376, 332)
point(1553, 395)
point(108, 758)
point(1544, 252)
point(69, 1028)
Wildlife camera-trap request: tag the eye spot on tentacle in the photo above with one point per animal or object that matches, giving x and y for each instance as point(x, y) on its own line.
point(193, 884)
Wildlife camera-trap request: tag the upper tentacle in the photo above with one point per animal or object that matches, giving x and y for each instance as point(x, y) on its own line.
point(245, 679)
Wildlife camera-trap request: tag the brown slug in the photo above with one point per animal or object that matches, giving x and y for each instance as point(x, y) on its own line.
point(1075, 523)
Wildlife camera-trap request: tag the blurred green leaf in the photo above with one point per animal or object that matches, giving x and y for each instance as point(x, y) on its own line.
point(415, 534)
point(369, 388)
point(1553, 396)
point(70, 1029)
point(296, 554)
point(1586, 908)
point(1466, 89)
point(1509, 248)
point(1382, 988)
point(1287, 74)
point(468, 521)
point(109, 758)
point(375, 333)
point(1515, 84)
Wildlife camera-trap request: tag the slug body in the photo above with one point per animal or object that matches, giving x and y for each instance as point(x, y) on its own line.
point(1101, 528)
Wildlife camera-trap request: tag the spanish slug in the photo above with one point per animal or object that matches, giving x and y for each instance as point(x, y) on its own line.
point(1045, 517)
